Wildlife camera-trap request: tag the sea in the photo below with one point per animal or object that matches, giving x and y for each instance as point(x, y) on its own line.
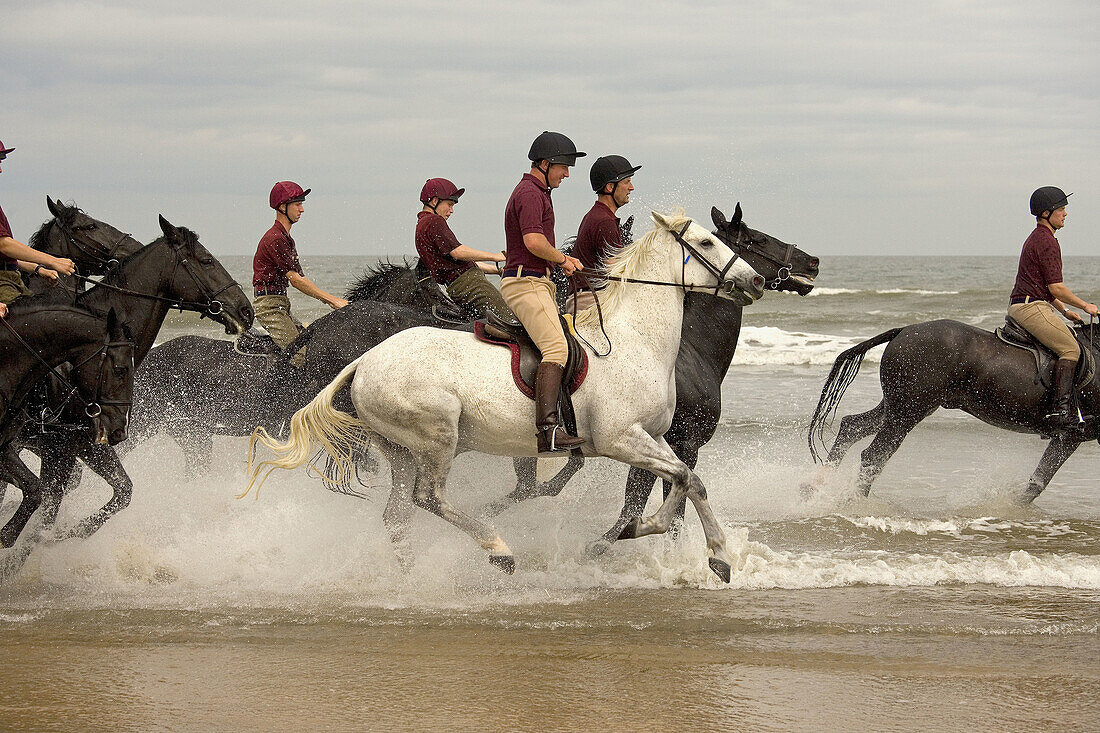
point(936, 603)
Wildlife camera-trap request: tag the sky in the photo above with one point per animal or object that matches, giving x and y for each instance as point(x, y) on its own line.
point(845, 127)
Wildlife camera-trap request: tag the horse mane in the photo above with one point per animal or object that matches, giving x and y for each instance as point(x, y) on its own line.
point(627, 262)
point(377, 279)
point(40, 238)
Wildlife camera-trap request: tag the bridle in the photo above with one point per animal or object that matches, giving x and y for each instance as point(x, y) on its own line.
point(93, 408)
point(92, 251)
point(211, 307)
point(783, 266)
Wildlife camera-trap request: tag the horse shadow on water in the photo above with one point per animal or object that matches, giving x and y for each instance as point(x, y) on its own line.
point(948, 364)
point(701, 361)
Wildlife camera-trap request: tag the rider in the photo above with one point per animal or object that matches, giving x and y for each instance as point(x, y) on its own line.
point(1039, 295)
point(276, 266)
point(525, 282)
point(451, 263)
point(599, 236)
point(16, 256)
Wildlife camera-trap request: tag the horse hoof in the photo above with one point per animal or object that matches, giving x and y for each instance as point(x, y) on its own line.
point(721, 568)
point(630, 531)
point(505, 563)
point(597, 548)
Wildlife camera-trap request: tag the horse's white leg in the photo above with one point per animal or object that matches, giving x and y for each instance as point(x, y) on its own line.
point(431, 481)
point(641, 450)
point(400, 506)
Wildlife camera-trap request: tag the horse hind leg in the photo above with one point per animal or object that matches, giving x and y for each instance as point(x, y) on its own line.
point(882, 448)
point(429, 494)
point(399, 507)
point(853, 428)
point(1057, 452)
point(639, 484)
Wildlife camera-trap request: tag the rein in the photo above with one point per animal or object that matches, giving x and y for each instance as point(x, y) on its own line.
point(212, 306)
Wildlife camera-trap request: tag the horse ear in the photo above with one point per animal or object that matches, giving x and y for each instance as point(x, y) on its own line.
point(53, 207)
point(660, 220)
point(166, 227)
point(737, 216)
point(718, 218)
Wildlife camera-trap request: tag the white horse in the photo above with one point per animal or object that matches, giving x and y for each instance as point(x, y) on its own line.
point(425, 394)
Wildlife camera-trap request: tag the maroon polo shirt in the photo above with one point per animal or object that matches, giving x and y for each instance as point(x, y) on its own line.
point(5, 231)
point(529, 211)
point(275, 257)
point(598, 237)
point(434, 242)
point(1040, 265)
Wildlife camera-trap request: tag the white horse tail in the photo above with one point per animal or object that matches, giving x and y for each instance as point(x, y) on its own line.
point(337, 433)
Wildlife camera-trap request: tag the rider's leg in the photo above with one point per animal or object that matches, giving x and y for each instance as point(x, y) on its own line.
point(273, 313)
point(473, 289)
point(533, 301)
point(1043, 322)
point(12, 286)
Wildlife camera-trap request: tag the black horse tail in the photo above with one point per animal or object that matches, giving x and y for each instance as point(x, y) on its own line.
point(844, 371)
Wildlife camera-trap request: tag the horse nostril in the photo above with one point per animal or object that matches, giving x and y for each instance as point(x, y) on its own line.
point(758, 282)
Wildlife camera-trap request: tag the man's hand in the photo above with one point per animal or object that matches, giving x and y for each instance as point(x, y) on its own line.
point(1073, 316)
point(571, 265)
point(3, 310)
point(1091, 309)
point(62, 265)
point(46, 273)
point(337, 303)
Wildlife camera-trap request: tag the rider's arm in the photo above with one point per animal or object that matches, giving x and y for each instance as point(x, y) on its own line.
point(17, 250)
point(306, 286)
point(469, 254)
point(1066, 297)
point(489, 268)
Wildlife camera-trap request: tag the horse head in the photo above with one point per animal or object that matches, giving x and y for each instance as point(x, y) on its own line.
point(105, 380)
point(707, 263)
point(205, 283)
point(95, 246)
point(783, 265)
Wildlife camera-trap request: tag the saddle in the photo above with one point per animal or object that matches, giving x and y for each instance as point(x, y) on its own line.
point(1013, 334)
point(526, 358)
point(255, 342)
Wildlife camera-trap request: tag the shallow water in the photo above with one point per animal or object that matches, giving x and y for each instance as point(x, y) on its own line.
point(935, 602)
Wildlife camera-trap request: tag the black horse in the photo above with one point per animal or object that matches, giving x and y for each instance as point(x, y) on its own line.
point(35, 339)
point(708, 341)
point(948, 364)
point(175, 271)
point(95, 247)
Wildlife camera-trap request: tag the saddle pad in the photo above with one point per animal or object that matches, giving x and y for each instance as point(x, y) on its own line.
point(525, 361)
point(1014, 335)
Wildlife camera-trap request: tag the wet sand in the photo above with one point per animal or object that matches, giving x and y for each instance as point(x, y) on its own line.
point(875, 659)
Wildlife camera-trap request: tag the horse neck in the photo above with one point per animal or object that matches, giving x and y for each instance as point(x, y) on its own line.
point(148, 272)
point(711, 330)
point(650, 317)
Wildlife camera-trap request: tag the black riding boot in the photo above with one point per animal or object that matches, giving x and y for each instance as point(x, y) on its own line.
point(551, 437)
point(1062, 416)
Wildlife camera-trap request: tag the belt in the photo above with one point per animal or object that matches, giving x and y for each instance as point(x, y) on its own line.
point(531, 272)
point(10, 266)
point(270, 291)
point(1017, 299)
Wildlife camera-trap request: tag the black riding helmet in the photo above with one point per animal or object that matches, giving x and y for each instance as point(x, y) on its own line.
point(1048, 198)
point(554, 147)
point(610, 169)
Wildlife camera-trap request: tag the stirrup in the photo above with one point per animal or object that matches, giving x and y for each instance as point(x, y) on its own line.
point(551, 433)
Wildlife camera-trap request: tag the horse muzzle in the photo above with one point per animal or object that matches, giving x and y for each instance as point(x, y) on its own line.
point(743, 293)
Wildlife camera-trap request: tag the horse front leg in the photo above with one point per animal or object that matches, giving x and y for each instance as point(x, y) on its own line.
point(1061, 447)
point(16, 472)
point(104, 461)
point(641, 450)
point(59, 466)
point(639, 483)
point(527, 485)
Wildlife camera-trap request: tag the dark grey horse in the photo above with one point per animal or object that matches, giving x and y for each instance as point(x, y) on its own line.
point(175, 271)
point(948, 364)
point(37, 337)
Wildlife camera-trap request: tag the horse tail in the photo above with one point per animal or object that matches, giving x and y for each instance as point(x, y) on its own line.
point(844, 371)
point(338, 434)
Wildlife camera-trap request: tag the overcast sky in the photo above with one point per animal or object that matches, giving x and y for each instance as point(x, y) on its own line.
point(844, 127)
